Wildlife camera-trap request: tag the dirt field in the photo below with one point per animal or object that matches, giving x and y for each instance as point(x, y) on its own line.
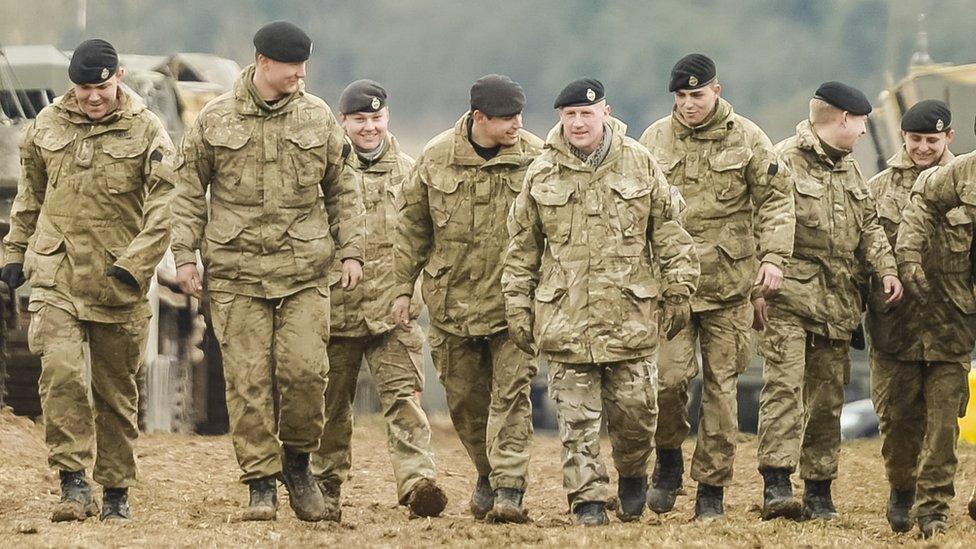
point(189, 496)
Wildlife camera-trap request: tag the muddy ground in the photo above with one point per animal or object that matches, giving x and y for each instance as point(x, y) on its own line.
point(189, 496)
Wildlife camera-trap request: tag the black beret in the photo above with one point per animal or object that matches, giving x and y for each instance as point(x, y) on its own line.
point(580, 93)
point(844, 97)
point(284, 42)
point(691, 72)
point(497, 95)
point(362, 96)
point(93, 62)
point(928, 116)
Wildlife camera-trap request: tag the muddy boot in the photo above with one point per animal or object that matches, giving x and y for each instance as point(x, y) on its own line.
point(508, 506)
point(331, 489)
point(482, 499)
point(666, 480)
point(426, 499)
point(631, 498)
point(817, 503)
point(932, 525)
point(76, 498)
point(263, 504)
point(591, 513)
point(115, 504)
point(708, 502)
point(900, 504)
point(304, 495)
point(778, 500)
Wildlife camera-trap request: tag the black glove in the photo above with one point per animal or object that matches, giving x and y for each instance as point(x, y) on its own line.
point(520, 330)
point(857, 338)
point(123, 276)
point(13, 275)
point(677, 315)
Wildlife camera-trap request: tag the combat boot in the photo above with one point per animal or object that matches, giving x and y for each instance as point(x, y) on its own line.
point(900, 504)
point(932, 525)
point(426, 499)
point(666, 480)
point(817, 503)
point(263, 504)
point(778, 500)
point(508, 506)
point(304, 496)
point(708, 502)
point(331, 489)
point(115, 504)
point(591, 513)
point(76, 498)
point(482, 498)
point(631, 498)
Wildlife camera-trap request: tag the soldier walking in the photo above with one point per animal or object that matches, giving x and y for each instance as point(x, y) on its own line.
point(268, 152)
point(452, 226)
point(921, 349)
point(88, 227)
point(594, 224)
point(362, 327)
point(740, 209)
point(808, 325)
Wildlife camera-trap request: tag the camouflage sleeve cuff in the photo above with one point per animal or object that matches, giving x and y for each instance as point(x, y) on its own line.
point(678, 291)
point(756, 293)
point(136, 272)
point(888, 271)
point(183, 257)
point(350, 252)
point(909, 257)
point(12, 256)
point(774, 259)
point(517, 302)
point(403, 289)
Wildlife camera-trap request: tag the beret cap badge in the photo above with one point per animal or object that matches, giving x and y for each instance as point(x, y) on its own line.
point(375, 103)
point(939, 125)
point(692, 80)
point(590, 94)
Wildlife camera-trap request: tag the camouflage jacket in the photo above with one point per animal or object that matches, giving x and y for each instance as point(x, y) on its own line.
point(266, 233)
point(838, 236)
point(366, 309)
point(92, 195)
point(586, 249)
point(738, 196)
point(936, 230)
point(452, 224)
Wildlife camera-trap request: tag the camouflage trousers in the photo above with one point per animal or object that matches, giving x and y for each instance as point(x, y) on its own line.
point(918, 404)
point(394, 360)
point(266, 343)
point(802, 396)
point(487, 381)
point(627, 393)
point(725, 348)
point(78, 414)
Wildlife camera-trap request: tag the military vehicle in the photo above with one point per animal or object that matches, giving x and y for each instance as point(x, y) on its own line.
point(181, 378)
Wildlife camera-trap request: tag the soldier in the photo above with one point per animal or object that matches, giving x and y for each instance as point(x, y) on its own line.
point(725, 167)
point(808, 325)
point(920, 350)
point(362, 328)
point(594, 223)
point(268, 152)
point(88, 227)
point(452, 225)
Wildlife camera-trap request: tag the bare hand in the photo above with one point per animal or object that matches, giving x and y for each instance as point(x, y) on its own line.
point(352, 273)
point(893, 287)
point(401, 311)
point(769, 279)
point(760, 314)
point(188, 277)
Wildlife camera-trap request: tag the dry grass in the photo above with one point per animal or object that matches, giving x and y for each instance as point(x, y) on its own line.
point(189, 496)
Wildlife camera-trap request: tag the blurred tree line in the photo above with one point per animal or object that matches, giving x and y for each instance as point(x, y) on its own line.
point(771, 54)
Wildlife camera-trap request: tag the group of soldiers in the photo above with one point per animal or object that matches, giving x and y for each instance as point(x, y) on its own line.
point(611, 259)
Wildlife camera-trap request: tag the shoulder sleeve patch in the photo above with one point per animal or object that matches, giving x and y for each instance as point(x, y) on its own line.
point(773, 169)
point(156, 155)
point(346, 149)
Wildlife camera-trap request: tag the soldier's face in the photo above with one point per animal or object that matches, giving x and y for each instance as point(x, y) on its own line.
point(852, 127)
point(925, 149)
point(583, 125)
point(283, 78)
point(366, 130)
point(99, 100)
point(500, 130)
point(694, 106)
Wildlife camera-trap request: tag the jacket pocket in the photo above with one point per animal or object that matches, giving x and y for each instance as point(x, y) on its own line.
point(632, 208)
point(125, 164)
point(222, 257)
point(113, 292)
point(308, 161)
point(555, 211)
point(729, 166)
point(808, 193)
point(43, 259)
point(435, 286)
point(234, 178)
point(311, 245)
point(445, 201)
point(638, 322)
point(553, 329)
